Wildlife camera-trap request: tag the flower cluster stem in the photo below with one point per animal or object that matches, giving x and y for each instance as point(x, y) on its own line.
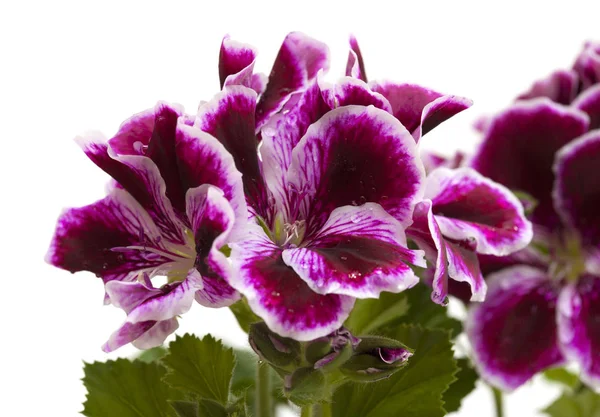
point(263, 406)
point(498, 402)
point(317, 410)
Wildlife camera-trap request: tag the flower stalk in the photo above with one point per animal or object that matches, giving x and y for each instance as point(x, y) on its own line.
point(263, 406)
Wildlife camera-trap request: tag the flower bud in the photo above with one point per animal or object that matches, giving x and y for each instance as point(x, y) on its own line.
point(330, 352)
point(376, 358)
point(306, 386)
point(278, 351)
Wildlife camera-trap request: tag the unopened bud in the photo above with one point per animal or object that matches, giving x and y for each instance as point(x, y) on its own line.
point(330, 352)
point(279, 351)
point(376, 358)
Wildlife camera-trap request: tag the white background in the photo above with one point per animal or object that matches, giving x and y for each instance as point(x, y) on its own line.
point(69, 66)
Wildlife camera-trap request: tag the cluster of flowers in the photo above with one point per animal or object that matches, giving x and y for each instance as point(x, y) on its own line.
point(543, 303)
point(295, 193)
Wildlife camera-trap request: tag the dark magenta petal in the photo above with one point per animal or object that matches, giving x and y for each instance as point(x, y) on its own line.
point(355, 66)
point(473, 209)
point(513, 332)
point(463, 266)
point(587, 65)
point(85, 237)
point(349, 91)
point(278, 295)
point(577, 187)
point(560, 87)
point(297, 64)
point(490, 263)
point(589, 102)
point(229, 117)
point(351, 156)
point(519, 147)
point(432, 160)
point(360, 251)
point(281, 135)
point(426, 233)
point(579, 326)
point(236, 60)
point(212, 220)
point(152, 134)
point(418, 108)
point(202, 160)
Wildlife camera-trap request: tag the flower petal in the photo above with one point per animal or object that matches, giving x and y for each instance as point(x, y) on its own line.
point(236, 62)
point(579, 326)
point(469, 207)
point(463, 266)
point(127, 333)
point(560, 87)
point(85, 238)
point(229, 117)
point(577, 186)
point(519, 147)
point(513, 333)
point(297, 64)
point(426, 233)
point(418, 108)
point(355, 67)
point(140, 176)
point(156, 335)
point(360, 252)
point(281, 135)
point(587, 65)
point(152, 134)
point(175, 299)
point(349, 91)
point(277, 294)
point(212, 220)
point(351, 156)
point(203, 160)
point(589, 102)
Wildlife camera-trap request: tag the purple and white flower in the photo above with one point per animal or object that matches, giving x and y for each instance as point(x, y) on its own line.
point(176, 199)
point(540, 310)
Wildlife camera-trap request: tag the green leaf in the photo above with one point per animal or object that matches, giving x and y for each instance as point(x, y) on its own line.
point(186, 408)
point(244, 315)
point(153, 354)
point(584, 403)
point(413, 306)
point(563, 377)
point(464, 384)
point(201, 367)
point(127, 389)
point(414, 391)
point(370, 314)
point(202, 408)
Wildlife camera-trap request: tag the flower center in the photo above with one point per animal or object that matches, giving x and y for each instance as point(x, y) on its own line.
point(174, 260)
point(569, 259)
point(288, 235)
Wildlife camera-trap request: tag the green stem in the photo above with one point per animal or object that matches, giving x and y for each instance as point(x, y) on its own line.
point(263, 407)
point(317, 410)
point(498, 402)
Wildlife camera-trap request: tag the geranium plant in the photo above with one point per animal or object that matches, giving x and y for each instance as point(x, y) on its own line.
point(308, 209)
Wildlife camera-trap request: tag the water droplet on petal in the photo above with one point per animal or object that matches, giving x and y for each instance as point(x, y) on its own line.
point(354, 275)
point(355, 218)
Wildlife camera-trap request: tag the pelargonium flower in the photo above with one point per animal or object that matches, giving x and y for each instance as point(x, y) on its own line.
point(464, 214)
point(340, 177)
point(540, 310)
point(174, 202)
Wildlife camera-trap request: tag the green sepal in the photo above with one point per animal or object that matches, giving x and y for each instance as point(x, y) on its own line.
point(307, 386)
point(244, 315)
